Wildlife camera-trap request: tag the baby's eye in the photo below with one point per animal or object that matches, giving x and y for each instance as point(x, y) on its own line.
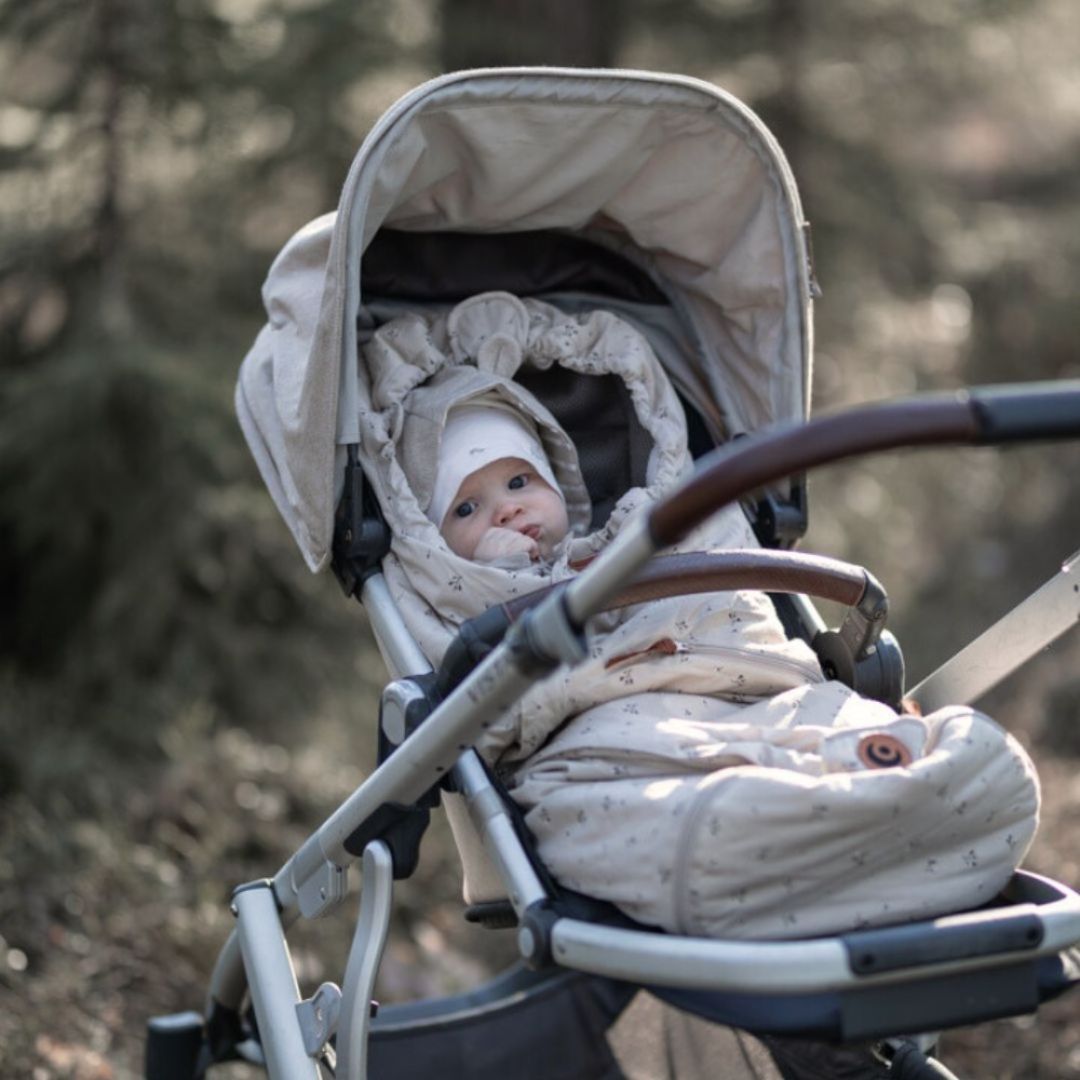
point(518, 481)
point(465, 509)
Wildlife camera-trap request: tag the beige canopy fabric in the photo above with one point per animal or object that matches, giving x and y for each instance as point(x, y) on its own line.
point(670, 172)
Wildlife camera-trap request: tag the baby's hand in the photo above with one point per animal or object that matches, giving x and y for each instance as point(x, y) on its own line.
point(497, 543)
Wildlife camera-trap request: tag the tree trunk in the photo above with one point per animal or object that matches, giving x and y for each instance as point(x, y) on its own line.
point(788, 30)
point(564, 33)
point(115, 307)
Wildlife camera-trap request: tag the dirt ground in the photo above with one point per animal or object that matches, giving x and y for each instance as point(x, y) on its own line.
point(114, 896)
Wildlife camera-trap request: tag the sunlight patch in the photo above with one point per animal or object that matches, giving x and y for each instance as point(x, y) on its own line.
point(661, 789)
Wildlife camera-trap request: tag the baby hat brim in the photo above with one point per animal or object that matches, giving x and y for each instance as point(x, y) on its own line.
point(475, 436)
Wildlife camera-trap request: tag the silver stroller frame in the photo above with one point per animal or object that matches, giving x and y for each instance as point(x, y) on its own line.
point(952, 970)
point(411, 174)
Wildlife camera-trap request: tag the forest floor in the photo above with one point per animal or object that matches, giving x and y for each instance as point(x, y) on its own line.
point(115, 885)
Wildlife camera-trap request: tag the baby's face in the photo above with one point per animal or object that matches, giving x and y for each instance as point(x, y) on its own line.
point(505, 494)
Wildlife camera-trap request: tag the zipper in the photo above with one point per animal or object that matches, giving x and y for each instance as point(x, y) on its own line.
point(666, 647)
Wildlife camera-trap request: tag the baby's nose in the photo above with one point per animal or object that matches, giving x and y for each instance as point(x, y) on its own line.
point(507, 511)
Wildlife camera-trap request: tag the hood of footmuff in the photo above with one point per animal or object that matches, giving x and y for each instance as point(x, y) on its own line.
point(422, 366)
point(668, 172)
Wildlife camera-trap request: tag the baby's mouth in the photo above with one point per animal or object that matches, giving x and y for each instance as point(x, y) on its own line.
point(531, 531)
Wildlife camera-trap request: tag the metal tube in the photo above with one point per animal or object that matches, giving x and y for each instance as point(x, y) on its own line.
point(792, 966)
point(363, 964)
point(997, 652)
point(493, 823)
point(274, 991)
point(228, 981)
point(398, 647)
point(421, 761)
point(602, 579)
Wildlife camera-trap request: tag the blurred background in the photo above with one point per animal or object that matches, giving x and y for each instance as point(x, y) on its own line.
point(180, 702)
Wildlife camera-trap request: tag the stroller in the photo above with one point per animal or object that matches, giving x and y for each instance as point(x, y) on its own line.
point(666, 201)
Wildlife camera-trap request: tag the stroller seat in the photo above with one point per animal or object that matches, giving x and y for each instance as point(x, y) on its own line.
point(667, 202)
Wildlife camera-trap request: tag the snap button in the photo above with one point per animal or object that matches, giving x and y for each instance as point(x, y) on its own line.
point(882, 751)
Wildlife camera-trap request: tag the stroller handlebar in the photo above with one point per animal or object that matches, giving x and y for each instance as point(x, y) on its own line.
point(983, 416)
point(698, 572)
point(756, 460)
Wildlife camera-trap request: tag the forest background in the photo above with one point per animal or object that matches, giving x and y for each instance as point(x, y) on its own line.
point(180, 702)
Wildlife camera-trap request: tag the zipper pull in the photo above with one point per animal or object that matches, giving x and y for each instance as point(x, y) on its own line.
point(664, 647)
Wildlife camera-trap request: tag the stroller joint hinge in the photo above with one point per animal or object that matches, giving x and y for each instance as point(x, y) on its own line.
point(323, 890)
point(405, 704)
point(175, 1045)
point(261, 883)
point(401, 826)
point(534, 934)
point(361, 535)
point(862, 654)
point(318, 1016)
point(864, 623)
point(782, 523)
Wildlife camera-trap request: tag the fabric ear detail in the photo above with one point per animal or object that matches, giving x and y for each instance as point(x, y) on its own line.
point(490, 330)
point(883, 751)
point(500, 355)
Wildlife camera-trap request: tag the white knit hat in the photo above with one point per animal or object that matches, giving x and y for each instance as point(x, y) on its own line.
point(475, 436)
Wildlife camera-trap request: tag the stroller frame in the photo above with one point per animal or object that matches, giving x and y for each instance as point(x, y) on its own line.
point(883, 982)
point(867, 984)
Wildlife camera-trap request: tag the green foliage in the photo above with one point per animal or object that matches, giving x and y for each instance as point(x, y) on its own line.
point(143, 567)
point(155, 158)
point(94, 454)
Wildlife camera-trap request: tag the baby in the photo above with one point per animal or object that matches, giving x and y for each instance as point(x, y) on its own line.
point(696, 769)
point(495, 499)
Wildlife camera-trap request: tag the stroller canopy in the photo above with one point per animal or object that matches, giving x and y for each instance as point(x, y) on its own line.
point(669, 172)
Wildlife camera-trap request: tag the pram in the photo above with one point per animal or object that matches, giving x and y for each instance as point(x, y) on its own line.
point(666, 201)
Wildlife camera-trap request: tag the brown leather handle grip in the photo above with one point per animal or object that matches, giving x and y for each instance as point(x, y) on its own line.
point(742, 466)
point(770, 571)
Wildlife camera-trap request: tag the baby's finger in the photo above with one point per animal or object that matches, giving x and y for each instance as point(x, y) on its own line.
point(497, 542)
point(511, 541)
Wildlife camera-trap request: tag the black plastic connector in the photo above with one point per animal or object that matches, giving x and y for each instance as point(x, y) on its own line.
point(225, 1031)
point(184, 1046)
point(416, 712)
point(862, 654)
point(878, 675)
point(534, 935)
point(908, 1062)
point(361, 535)
point(401, 826)
point(475, 639)
point(545, 637)
point(783, 523)
point(892, 948)
point(492, 915)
